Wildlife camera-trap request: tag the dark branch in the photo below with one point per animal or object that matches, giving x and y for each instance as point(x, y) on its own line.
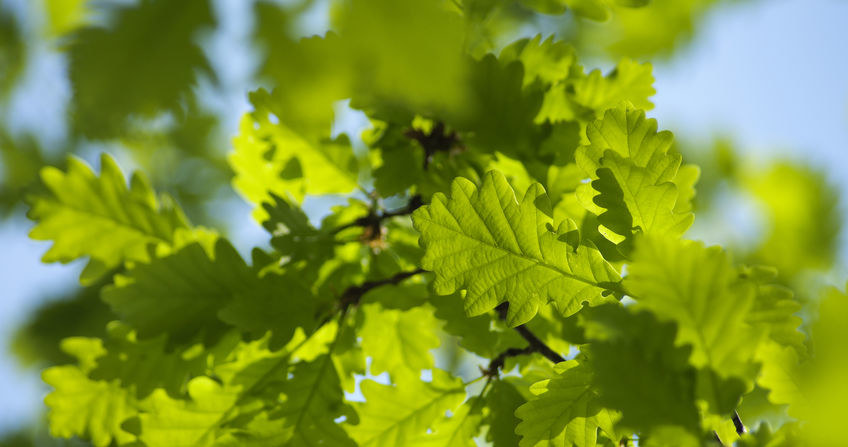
point(437, 140)
point(498, 362)
point(536, 344)
point(374, 219)
point(737, 422)
point(353, 294)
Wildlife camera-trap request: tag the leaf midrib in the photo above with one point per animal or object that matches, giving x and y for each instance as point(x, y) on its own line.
point(591, 282)
point(413, 414)
point(112, 219)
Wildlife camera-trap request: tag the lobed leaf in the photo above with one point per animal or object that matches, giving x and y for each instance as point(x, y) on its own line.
point(397, 415)
point(500, 249)
point(99, 217)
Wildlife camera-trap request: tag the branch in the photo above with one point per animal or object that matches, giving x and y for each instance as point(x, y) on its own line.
point(375, 219)
point(737, 422)
point(536, 344)
point(498, 362)
point(438, 140)
point(353, 294)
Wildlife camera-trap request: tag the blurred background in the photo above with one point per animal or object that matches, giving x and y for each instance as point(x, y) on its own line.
point(756, 92)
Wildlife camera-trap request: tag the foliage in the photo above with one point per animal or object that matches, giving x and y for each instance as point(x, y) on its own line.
point(504, 209)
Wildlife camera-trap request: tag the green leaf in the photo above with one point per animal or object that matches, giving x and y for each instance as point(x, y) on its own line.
point(395, 415)
point(140, 366)
point(235, 402)
point(639, 371)
point(401, 159)
point(479, 334)
point(697, 287)
point(100, 217)
point(781, 375)
point(564, 411)
point(787, 435)
point(272, 159)
point(12, 53)
point(634, 172)
point(313, 400)
point(85, 407)
point(64, 16)
point(502, 400)
point(629, 81)
point(179, 423)
point(803, 226)
point(775, 308)
point(399, 341)
point(549, 61)
point(501, 112)
point(590, 9)
point(161, 67)
point(501, 249)
point(179, 294)
point(405, 57)
point(90, 409)
point(193, 292)
point(458, 430)
point(275, 304)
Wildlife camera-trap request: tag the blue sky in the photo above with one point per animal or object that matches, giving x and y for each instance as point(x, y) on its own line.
point(772, 75)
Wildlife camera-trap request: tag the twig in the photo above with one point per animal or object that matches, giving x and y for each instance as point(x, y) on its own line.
point(498, 362)
point(536, 344)
point(374, 219)
point(353, 294)
point(737, 423)
point(437, 140)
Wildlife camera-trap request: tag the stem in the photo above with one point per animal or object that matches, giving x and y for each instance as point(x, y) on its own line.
point(438, 140)
point(498, 362)
point(353, 294)
point(375, 219)
point(737, 423)
point(536, 344)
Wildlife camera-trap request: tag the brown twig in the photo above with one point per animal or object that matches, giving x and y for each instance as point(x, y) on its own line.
point(536, 344)
point(353, 294)
point(497, 363)
point(375, 218)
point(437, 140)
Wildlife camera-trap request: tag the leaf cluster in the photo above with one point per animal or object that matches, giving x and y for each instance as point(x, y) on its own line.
point(508, 266)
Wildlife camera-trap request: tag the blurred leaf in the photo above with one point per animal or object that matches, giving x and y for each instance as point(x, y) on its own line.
point(311, 73)
point(404, 56)
point(12, 52)
point(629, 81)
point(90, 409)
point(803, 220)
point(656, 29)
point(133, 67)
point(202, 287)
point(639, 371)
point(501, 111)
point(696, 287)
point(20, 160)
point(503, 399)
point(64, 16)
point(80, 313)
point(271, 158)
point(549, 61)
